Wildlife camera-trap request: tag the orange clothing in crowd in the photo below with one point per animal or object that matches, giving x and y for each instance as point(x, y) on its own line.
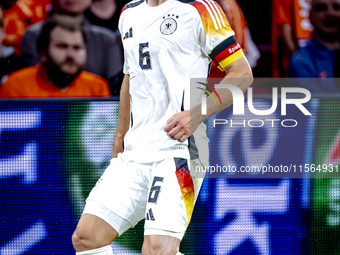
point(34, 82)
point(239, 24)
point(23, 14)
point(236, 20)
point(296, 14)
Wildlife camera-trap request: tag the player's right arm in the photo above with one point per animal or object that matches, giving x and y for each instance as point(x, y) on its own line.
point(123, 117)
point(124, 103)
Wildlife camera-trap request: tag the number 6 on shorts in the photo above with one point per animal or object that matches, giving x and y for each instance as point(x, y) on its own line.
point(154, 191)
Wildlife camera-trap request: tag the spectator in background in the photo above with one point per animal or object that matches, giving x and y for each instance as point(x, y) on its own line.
point(291, 29)
point(2, 32)
point(18, 15)
point(62, 47)
point(8, 60)
point(317, 59)
point(239, 25)
point(103, 47)
point(105, 13)
point(5, 5)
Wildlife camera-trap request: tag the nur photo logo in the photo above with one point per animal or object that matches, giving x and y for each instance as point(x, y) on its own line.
point(302, 96)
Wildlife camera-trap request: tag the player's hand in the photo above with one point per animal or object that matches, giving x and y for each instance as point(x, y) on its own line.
point(178, 126)
point(117, 147)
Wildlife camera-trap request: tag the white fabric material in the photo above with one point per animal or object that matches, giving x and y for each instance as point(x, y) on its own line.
point(165, 46)
point(160, 232)
point(129, 205)
point(118, 223)
point(106, 250)
point(124, 189)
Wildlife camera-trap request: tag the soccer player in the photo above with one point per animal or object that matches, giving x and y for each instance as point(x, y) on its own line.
point(166, 42)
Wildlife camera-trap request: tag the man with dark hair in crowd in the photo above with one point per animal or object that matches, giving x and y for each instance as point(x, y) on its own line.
point(318, 58)
point(103, 47)
point(62, 48)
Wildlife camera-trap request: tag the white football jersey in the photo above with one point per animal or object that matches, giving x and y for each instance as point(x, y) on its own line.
point(164, 47)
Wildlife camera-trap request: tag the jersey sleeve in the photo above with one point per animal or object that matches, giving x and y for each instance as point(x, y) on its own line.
point(214, 34)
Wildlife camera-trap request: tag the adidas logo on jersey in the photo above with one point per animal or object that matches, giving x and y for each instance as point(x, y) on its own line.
point(128, 34)
point(235, 48)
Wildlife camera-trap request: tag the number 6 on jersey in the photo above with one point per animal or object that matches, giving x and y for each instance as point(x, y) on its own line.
point(144, 56)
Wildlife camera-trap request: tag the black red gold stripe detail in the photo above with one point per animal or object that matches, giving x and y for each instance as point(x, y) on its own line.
point(222, 46)
point(228, 52)
point(186, 185)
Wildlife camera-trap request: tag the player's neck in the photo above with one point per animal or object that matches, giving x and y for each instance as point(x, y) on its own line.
point(154, 3)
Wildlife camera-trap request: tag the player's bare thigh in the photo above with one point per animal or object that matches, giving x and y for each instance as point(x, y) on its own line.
point(160, 245)
point(92, 232)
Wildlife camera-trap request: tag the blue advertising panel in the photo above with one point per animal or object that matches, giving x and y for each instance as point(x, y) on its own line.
point(244, 212)
point(268, 146)
point(35, 209)
point(52, 153)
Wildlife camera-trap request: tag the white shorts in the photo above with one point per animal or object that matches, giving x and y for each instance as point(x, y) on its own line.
point(163, 193)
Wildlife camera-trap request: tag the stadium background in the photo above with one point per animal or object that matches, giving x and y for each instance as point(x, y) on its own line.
point(52, 153)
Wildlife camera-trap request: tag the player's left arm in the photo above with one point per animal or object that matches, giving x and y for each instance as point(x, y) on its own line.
point(239, 74)
point(182, 125)
point(123, 117)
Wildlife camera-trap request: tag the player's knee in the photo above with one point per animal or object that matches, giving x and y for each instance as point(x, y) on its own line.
point(83, 241)
point(77, 241)
point(92, 233)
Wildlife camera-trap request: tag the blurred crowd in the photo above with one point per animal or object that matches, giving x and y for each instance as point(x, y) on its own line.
point(306, 43)
point(72, 48)
point(60, 48)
